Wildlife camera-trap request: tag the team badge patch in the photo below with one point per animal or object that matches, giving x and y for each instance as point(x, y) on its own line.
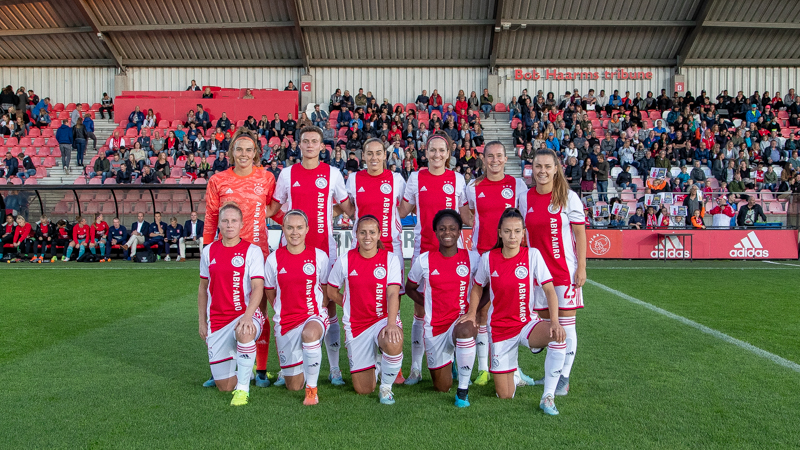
point(237, 261)
point(521, 272)
point(507, 193)
point(448, 189)
point(308, 269)
point(258, 189)
point(321, 182)
point(386, 188)
point(462, 270)
point(379, 273)
point(552, 209)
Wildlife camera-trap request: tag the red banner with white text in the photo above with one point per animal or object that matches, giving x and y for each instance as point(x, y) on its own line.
point(694, 244)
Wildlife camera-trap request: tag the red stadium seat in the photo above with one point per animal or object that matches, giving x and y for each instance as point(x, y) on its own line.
point(71, 107)
point(15, 181)
point(592, 114)
point(35, 132)
point(132, 132)
point(58, 107)
point(402, 107)
point(163, 124)
point(500, 107)
point(49, 162)
point(175, 123)
point(47, 132)
point(411, 107)
point(176, 172)
point(12, 142)
point(31, 181)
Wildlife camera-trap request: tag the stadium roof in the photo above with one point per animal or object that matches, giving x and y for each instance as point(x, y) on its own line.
point(416, 33)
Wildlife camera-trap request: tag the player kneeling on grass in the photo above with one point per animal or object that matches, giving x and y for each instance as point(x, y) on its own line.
point(514, 271)
point(371, 277)
point(231, 287)
point(295, 276)
point(446, 275)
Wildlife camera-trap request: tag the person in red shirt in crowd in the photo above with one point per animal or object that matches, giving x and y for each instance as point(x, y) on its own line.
point(7, 233)
point(99, 236)
point(371, 277)
point(81, 233)
point(21, 235)
point(251, 188)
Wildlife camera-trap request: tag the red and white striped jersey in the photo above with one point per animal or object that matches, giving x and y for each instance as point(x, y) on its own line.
point(379, 196)
point(314, 192)
point(229, 271)
point(446, 283)
point(298, 281)
point(488, 199)
point(365, 283)
point(511, 288)
point(550, 231)
point(431, 194)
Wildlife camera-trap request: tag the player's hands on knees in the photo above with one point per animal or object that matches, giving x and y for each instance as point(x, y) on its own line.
point(468, 318)
point(557, 332)
point(580, 277)
point(392, 333)
point(245, 325)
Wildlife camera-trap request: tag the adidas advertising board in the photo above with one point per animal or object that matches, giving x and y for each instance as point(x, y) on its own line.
point(749, 247)
point(670, 247)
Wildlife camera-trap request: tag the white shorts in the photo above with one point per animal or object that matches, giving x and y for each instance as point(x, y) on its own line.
point(504, 353)
point(362, 350)
point(222, 347)
point(569, 297)
point(440, 349)
point(290, 346)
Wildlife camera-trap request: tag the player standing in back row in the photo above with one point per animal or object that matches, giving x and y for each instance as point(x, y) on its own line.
point(251, 188)
point(430, 191)
point(314, 187)
point(556, 226)
point(488, 196)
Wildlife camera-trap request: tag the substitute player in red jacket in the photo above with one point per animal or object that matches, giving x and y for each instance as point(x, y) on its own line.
point(251, 188)
point(488, 196)
point(446, 278)
point(314, 188)
point(556, 226)
point(81, 233)
point(295, 278)
point(228, 298)
point(371, 278)
point(99, 237)
point(514, 271)
point(430, 191)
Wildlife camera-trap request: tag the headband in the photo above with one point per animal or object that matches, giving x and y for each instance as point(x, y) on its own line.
point(438, 136)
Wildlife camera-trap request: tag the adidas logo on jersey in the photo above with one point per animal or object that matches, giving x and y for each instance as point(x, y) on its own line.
point(354, 273)
point(669, 247)
point(530, 209)
point(482, 195)
point(296, 184)
point(424, 189)
point(749, 247)
point(229, 191)
point(494, 274)
point(361, 189)
point(435, 272)
point(283, 271)
point(213, 261)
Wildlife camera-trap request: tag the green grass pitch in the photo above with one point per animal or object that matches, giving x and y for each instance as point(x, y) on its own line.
point(99, 356)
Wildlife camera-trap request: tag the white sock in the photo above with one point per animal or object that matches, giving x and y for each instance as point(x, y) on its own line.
point(312, 359)
point(483, 348)
point(572, 343)
point(465, 358)
point(332, 342)
point(245, 359)
point(417, 343)
point(553, 363)
point(390, 367)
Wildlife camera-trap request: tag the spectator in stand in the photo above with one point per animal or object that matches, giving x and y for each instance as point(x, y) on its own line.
point(697, 176)
point(573, 175)
point(74, 115)
point(319, 117)
point(697, 219)
point(207, 93)
point(290, 126)
point(106, 104)
point(435, 102)
point(293, 155)
point(753, 115)
point(750, 213)
point(248, 95)
point(162, 166)
point(44, 120)
point(124, 176)
point(192, 236)
point(274, 169)
point(102, 167)
point(220, 164)
point(150, 119)
point(770, 179)
point(625, 180)
point(277, 128)
point(201, 117)
point(43, 105)
point(135, 119)
point(224, 123)
point(116, 145)
point(335, 103)
point(156, 235)
point(25, 167)
point(22, 99)
point(173, 236)
point(347, 100)
point(7, 98)
point(65, 138)
point(140, 158)
point(637, 221)
point(193, 86)
point(88, 125)
point(587, 176)
point(422, 101)
point(722, 214)
point(487, 103)
point(204, 168)
point(601, 172)
point(476, 135)
point(290, 86)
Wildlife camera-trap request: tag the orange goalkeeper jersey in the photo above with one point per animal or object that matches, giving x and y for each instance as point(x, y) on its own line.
point(252, 193)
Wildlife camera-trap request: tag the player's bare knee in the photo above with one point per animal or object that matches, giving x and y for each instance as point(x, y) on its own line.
point(245, 337)
point(312, 332)
point(465, 330)
point(392, 348)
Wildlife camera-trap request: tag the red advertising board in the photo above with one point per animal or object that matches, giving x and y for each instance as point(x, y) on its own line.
point(694, 244)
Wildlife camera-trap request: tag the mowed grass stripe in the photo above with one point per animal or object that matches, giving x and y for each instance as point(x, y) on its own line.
point(717, 334)
point(639, 381)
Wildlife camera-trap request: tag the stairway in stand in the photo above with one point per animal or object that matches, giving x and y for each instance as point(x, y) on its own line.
point(103, 128)
point(497, 128)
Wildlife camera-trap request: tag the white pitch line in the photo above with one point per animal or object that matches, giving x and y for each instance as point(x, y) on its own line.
point(782, 264)
point(717, 334)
